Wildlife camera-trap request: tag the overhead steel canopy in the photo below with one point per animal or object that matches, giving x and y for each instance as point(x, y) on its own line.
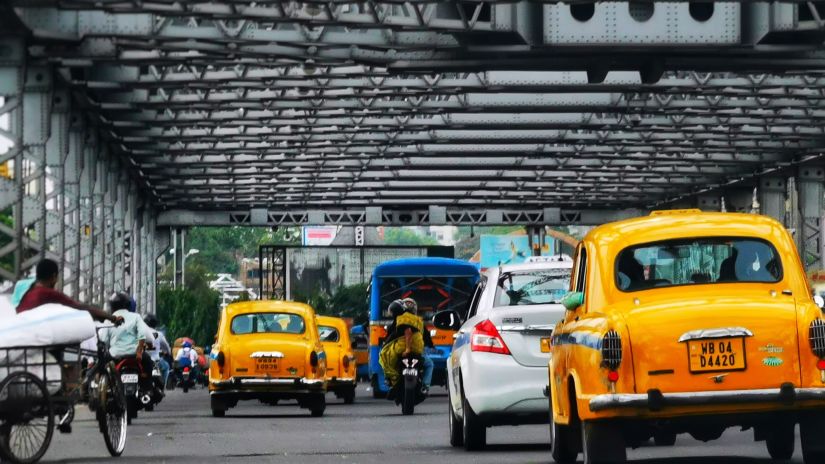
point(513, 106)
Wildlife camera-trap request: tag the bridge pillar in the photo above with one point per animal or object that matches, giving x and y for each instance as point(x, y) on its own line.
point(65, 192)
point(772, 195)
point(810, 188)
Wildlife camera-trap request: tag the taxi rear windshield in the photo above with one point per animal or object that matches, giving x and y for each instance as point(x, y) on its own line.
point(268, 323)
point(697, 261)
point(328, 334)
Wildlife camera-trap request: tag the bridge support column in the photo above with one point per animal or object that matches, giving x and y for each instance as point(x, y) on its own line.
point(64, 194)
point(810, 188)
point(772, 194)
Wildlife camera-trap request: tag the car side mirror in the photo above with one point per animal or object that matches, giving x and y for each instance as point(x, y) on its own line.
point(820, 301)
point(447, 320)
point(572, 300)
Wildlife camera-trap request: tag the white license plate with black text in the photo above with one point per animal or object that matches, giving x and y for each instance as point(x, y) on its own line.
point(129, 378)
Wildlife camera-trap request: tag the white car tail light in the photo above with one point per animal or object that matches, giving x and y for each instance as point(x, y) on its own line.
point(485, 338)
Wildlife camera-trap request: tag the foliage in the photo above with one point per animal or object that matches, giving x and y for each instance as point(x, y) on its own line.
point(221, 248)
point(348, 301)
point(406, 236)
point(192, 311)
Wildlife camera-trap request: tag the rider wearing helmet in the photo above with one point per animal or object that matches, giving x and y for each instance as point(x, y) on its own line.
point(406, 335)
point(161, 347)
point(129, 338)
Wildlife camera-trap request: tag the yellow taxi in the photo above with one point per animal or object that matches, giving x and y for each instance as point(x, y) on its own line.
point(341, 378)
point(687, 322)
point(267, 351)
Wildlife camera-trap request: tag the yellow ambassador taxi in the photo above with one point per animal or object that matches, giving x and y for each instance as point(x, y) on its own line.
point(341, 378)
point(267, 351)
point(687, 322)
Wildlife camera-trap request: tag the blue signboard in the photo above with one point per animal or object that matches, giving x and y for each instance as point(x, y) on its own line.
point(507, 249)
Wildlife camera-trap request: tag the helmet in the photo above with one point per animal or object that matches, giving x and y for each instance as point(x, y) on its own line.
point(151, 320)
point(410, 305)
point(119, 300)
point(395, 308)
point(186, 344)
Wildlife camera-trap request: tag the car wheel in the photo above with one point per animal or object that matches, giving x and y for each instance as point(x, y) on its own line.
point(376, 391)
point(218, 413)
point(349, 396)
point(475, 432)
point(810, 434)
point(456, 431)
point(602, 443)
point(664, 438)
point(780, 441)
point(317, 406)
point(561, 443)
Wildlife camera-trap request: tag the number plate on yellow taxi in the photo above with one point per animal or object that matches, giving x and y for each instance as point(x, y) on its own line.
point(266, 364)
point(719, 354)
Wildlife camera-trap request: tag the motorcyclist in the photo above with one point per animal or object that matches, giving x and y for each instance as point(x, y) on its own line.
point(188, 357)
point(128, 339)
point(160, 349)
point(406, 335)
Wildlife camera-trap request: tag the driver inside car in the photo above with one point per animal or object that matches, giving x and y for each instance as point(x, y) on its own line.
point(406, 335)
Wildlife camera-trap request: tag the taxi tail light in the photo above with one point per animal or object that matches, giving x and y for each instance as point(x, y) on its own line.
point(346, 362)
point(485, 338)
point(313, 359)
point(221, 359)
point(612, 351)
point(816, 336)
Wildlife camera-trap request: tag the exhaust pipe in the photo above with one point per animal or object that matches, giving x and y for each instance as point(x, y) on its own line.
point(146, 399)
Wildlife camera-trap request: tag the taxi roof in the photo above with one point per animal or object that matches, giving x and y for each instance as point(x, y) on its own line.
point(682, 224)
point(245, 307)
point(336, 322)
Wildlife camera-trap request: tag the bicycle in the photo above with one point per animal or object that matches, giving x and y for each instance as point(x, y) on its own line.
point(33, 392)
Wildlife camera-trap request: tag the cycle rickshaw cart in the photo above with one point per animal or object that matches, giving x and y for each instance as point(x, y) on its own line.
point(35, 398)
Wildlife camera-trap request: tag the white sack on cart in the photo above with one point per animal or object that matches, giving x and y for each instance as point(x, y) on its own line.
point(33, 362)
point(50, 324)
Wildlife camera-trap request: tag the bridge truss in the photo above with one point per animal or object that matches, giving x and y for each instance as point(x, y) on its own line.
point(128, 117)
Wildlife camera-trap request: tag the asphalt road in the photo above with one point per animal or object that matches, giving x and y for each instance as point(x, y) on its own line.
point(182, 430)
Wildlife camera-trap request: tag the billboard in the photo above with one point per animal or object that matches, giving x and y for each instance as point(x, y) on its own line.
point(318, 235)
point(497, 250)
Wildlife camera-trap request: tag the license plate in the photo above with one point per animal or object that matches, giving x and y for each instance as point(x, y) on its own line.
point(545, 345)
point(266, 364)
point(129, 378)
point(719, 354)
point(407, 372)
point(155, 372)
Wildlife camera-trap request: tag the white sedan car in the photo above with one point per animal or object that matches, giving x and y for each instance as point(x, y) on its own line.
point(497, 372)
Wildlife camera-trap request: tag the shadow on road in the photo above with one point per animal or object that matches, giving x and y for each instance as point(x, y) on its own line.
point(702, 460)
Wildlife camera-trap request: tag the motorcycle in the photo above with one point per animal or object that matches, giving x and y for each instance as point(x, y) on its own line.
point(129, 370)
point(157, 389)
point(407, 391)
point(185, 378)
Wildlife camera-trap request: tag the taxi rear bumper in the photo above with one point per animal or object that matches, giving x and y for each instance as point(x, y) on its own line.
point(654, 400)
point(256, 383)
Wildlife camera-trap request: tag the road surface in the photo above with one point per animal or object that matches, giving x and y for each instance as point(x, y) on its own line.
point(182, 430)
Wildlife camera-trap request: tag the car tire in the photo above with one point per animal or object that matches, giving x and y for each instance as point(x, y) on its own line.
point(218, 407)
point(317, 406)
point(664, 438)
point(602, 443)
point(561, 443)
point(475, 432)
point(781, 441)
point(810, 435)
point(456, 430)
point(376, 391)
point(218, 413)
point(349, 396)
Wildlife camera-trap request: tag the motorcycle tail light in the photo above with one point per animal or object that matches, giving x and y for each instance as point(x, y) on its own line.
point(821, 364)
point(485, 338)
point(185, 369)
point(613, 376)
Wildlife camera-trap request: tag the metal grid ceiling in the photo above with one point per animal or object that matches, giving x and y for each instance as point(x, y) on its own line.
point(519, 105)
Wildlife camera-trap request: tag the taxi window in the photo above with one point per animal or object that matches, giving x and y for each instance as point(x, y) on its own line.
point(697, 261)
point(268, 323)
point(523, 288)
point(328, 334)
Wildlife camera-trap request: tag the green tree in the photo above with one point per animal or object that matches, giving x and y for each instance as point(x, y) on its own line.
point(406, 236)
point(191, 311)
point(221, 248)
